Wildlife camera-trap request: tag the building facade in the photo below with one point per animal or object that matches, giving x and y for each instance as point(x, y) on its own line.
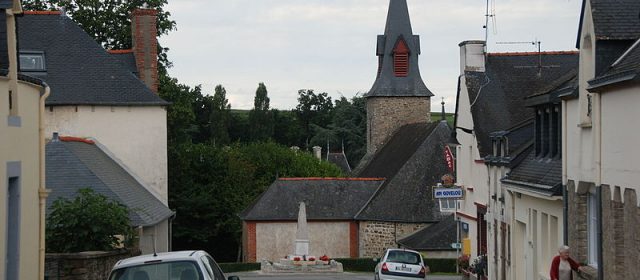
point(22, 189)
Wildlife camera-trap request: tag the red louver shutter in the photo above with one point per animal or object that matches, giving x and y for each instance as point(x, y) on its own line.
point(401, 59)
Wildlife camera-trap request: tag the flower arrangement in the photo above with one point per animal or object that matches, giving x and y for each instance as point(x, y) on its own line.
point(479, 265)
point(324, 258)
point(463, 262)
point(312, 259)
point(296, 259)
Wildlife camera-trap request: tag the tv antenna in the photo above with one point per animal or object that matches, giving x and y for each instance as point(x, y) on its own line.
point(489, 13)
point(537, 43)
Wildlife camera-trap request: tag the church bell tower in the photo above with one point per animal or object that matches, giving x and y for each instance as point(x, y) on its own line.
point(398, 96)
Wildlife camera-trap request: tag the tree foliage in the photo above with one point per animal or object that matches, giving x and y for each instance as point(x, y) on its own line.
point(313, 109)
point(89, 222)
point(260, 117)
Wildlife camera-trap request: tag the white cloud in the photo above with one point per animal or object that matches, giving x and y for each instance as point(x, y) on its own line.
point(329, 45)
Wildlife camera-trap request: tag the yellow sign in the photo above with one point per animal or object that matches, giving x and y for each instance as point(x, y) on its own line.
point(466, 246)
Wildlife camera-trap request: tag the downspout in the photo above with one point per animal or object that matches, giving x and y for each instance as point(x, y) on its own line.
point(565, 194)
point(43, 192)
point(597, 133)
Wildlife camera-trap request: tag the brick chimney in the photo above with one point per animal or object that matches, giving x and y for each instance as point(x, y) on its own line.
point(145, 45)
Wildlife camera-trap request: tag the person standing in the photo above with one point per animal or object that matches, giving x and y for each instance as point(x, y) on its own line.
point(562, 265)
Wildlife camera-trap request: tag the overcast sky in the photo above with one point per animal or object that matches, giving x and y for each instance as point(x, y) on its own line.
point(329, 45)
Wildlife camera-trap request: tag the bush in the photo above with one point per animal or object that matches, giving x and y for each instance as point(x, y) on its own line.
point(441, 265)
point(89, 222)
point(360, 264)
point(237, 267)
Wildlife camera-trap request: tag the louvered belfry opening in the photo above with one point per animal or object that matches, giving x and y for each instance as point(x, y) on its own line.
point(401, 59)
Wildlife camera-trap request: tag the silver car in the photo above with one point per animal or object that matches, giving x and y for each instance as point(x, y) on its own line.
point(401, 264)
point(182, 265)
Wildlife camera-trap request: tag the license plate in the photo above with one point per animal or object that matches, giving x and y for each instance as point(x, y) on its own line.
point(403, 269)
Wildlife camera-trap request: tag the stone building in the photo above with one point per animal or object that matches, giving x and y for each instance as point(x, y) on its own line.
point(404, 149)
point(601, 167)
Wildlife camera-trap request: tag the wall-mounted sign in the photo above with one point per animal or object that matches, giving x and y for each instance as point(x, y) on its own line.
point(440, 193)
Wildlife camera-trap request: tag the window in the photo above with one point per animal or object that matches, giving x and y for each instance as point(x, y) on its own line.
point(592, 229)
point(401, 59)
point(32, 61)
point(448, 205)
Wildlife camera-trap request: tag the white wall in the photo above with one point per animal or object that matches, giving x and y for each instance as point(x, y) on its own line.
point(136, 135)
point(276, 240)
point(536, 234)
point(620, 155)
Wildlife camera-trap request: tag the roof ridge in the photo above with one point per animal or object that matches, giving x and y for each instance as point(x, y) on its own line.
point(76, 139)
point(532, 53)
point(125, 51)
point(40, 12)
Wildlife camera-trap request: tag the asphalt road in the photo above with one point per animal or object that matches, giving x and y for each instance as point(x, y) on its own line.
point(323, 276)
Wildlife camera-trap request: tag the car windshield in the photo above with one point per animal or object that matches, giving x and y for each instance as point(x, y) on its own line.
point(179, 270)
point(403, 257)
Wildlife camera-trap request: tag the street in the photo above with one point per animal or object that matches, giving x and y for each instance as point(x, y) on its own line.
point(316, 276)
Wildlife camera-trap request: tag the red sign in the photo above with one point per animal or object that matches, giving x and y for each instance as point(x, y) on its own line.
point(448, 157)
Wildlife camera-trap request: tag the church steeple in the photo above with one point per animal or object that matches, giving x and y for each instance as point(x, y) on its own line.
point(397, 51)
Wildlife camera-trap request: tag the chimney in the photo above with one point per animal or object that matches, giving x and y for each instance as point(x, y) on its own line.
point(472, 56)
point(317, 151)
point(55, 137)
point(145, 45)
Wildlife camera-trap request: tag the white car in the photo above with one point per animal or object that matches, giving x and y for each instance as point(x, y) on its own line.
point(401, 264)
point(182, 265)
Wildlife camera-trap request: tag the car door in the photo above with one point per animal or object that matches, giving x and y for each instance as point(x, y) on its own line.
point(213, 268)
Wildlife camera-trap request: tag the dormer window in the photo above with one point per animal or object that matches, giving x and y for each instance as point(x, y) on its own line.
point(32, 61)
point(401, 59)
point(548, 131)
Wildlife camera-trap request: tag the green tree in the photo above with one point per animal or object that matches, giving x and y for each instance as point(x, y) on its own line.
point(313, 109)
point(109, 21)
point(89, 222)
point(260, 117)
point(219, 117)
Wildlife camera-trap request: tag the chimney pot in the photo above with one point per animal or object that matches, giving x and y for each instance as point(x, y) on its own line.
point(55, 137)
point(145, 45)
point(472, 56)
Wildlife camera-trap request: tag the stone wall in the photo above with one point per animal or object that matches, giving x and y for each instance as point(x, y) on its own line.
point(386, 114)
point(84, 265)
point(376, 237)
point(620, 224)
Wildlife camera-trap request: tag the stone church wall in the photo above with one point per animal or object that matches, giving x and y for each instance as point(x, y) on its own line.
point(386, 114)
point(375, 237)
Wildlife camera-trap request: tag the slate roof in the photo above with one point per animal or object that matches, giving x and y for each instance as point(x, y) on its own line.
point(412, 161)
point(78, 70)
point(72, 165)
point(509, 78)
point(387, 84)
point(519, 138)
point(626, 68)
point(340, 159)
point(127, 59)
point(436, 237)
point(542, 175)
point(325, 198)
point(6, 4)
point(613, 19)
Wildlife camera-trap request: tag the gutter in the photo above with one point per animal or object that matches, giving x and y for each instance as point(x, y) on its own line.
point(43, 192)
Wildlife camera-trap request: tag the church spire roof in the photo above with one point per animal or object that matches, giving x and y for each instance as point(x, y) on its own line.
point(397, 51)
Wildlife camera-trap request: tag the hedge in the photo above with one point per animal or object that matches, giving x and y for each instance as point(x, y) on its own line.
point(368, 265)
point(237, 267)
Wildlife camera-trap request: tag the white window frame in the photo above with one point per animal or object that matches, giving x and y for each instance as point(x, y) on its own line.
point(448, 204)
point(592, 229)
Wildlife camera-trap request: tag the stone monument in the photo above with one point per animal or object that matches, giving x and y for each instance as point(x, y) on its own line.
point(302, 233)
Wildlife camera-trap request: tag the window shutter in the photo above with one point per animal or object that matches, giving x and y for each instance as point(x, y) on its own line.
point(401, 59)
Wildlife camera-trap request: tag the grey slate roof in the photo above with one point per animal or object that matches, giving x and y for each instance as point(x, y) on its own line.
point(616, 19)
point(543, 175)
point(412, 161)
point(6, 4)
point(78, 70)
point(325, 198)
point(387, 84)
point(128, 60)
point(340, 159)
point(509, 79)
point(436, 237)
point(74, 165)
point(625, 69)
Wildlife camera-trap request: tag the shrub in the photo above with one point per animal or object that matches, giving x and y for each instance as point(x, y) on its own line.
point(360, 264)
point(441, 265)
point(89, 222)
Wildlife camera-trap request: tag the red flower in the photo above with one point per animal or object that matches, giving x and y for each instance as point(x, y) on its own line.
point(312, 259)
point(324, 258)
point(297, 259)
